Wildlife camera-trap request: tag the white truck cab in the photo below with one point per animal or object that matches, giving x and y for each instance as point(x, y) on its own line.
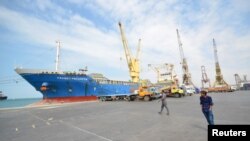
point(188, 89)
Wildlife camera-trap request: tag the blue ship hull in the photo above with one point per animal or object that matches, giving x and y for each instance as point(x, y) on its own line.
point(73, 85)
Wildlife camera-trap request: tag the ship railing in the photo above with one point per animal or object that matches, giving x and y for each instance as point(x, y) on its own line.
point(65, 73)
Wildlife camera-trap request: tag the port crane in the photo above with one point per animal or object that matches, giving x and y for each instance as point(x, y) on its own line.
point(133, 62)
point(167, 78)
point(245, 78)
point(186, 79)
point(239, 81)
point(204, 78)
point(220, 85)
point(219, 81)
point(165, 72)
point(145, 91)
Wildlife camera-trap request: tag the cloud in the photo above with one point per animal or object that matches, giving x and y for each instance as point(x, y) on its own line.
point(77, 34)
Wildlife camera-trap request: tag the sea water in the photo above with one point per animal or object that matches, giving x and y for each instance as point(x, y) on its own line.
point(14, 103)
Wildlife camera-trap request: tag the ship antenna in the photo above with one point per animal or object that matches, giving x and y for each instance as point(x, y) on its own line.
point(84, 70)
point(58, 55)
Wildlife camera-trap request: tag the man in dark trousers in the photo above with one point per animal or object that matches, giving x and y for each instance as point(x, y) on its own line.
point(206, 103)
point(164, 101)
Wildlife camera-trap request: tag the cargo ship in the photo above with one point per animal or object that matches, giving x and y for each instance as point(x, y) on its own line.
point(58, 86)
point(2, 96)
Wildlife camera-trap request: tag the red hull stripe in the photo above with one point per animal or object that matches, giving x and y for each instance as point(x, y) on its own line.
point(58, 100)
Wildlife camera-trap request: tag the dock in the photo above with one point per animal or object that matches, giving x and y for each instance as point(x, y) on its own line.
point(123, 120)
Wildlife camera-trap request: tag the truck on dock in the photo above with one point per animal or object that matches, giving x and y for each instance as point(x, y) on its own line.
point(115, 97)
point(175, 91)
point(188, 89)
point(145, 93)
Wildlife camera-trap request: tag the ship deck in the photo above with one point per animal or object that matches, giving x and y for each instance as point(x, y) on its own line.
point(122, 120)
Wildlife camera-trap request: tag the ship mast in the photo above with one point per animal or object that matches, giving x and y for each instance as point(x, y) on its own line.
point(58, 55)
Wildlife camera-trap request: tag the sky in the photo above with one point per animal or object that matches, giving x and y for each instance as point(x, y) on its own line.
point(90, 36)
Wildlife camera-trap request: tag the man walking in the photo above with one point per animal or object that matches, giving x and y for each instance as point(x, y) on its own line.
point(206, 103)
point(164, 101)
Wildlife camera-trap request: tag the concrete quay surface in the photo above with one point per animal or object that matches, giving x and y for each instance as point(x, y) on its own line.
point(122, 120)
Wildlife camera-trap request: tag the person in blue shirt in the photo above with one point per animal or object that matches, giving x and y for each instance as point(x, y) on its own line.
point(206, 103)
